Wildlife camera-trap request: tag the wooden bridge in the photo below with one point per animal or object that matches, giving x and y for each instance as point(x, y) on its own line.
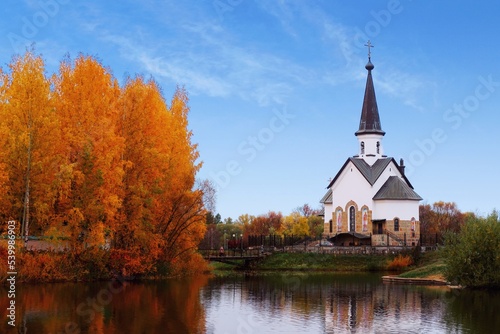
point(233, 256)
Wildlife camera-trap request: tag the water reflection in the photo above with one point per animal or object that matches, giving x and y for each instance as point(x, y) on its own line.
point(278, 303)
point(151, 307)
point(343, 304)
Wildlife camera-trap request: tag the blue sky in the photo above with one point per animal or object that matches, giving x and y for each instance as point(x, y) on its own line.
point(276, 87)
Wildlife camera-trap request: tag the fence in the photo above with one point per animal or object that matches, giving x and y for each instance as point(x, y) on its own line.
point(296, 243)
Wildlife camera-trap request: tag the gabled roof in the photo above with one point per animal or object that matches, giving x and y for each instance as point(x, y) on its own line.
point(396, 188)
point(328, 198)
point(370, 119)
point(370, 173)
point(373, 172)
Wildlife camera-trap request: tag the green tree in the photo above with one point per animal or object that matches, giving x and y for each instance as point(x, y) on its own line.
point(472, 256)
point(316, 227)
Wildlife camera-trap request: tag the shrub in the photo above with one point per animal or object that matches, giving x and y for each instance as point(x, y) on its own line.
point(400, 262)
point(472, 256)
point(41, 267)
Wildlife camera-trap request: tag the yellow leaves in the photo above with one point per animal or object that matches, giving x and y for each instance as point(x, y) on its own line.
point(102, 160)
point(295, 224)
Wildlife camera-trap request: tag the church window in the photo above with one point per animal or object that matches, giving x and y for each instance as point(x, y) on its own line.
point(396, 224)
point(378, 147)
point(352, 219)
point(331, 226)
point(362, 147)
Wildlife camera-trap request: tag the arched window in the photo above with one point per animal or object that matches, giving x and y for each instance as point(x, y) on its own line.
point(352, 219)
point(378, 147)
point(362, 147)
point(331, 226)
point(396, 224)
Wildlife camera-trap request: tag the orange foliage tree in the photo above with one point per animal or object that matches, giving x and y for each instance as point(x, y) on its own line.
point(29, 131)
point(180, 212)
point(86, 96)
point(440, 217)
point(109, 167)
point(269, 223)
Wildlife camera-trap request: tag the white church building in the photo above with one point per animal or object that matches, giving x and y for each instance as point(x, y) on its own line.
point(370, 201)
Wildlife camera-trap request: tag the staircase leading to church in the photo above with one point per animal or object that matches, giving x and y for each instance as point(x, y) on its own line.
point(395, 237)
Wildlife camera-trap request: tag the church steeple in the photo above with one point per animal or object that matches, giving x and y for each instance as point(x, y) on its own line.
point(370, 119)
point(370, 131)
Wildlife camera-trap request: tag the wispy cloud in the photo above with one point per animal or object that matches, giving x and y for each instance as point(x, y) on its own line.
point(394, 80)
point(209, 62)
point(209, 58)
point(284, 11)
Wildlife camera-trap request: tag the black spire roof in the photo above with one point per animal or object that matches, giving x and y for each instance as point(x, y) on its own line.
point(370, 120)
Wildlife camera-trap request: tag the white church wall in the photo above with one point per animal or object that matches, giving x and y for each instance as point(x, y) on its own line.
point(389, 209)
point(369, 150)
point(328, 212)
point(390, 170)
point(351, 185)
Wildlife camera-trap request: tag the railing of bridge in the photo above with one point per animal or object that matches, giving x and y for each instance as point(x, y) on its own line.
point(248, 252)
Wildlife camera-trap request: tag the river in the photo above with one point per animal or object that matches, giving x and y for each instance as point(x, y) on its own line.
point(268, 303)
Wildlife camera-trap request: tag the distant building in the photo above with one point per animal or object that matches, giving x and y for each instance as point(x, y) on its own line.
point(370, 200)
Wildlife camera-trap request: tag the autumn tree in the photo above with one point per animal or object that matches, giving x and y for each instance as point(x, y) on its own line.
point(30, 142)
point(269, 223)
point(295, 224)
point(245, 220)
point(440, 217)
point(103, 165)
point(163, 213)
point(86, 96)
point(5, 203)
point(314, 221)
point(307, 211)
point(179, 211)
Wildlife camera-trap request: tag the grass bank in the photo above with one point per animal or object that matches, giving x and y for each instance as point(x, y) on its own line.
point(311, 262)
point(431, 266)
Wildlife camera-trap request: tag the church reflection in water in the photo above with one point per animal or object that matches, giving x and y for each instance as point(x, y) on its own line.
point(333, 303)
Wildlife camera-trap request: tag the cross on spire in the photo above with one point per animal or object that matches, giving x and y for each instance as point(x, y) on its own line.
point(369, 45)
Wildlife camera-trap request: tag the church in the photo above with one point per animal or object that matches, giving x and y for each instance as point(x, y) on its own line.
point(370, 201)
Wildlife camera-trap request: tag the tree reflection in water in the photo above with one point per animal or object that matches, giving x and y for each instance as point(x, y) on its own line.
point(272, 303)
point(171, 306)
point(341, 303)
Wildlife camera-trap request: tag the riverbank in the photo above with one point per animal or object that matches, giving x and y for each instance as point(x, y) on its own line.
point(310, 262)
point(430, 271)
point(430, 265)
